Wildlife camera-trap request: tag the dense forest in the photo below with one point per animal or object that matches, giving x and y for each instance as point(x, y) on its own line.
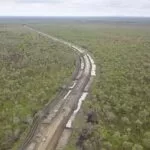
point(32, 71)
point(119, 103)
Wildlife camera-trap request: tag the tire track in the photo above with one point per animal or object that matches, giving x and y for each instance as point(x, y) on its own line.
point(52, 123)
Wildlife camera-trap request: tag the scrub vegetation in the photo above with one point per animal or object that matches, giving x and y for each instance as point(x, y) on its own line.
point(117, 112)
point(32, 71)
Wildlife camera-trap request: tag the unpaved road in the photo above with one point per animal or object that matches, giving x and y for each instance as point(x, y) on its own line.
point(63, 113)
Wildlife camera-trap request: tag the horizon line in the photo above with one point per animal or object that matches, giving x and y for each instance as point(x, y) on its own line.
point(78, 16)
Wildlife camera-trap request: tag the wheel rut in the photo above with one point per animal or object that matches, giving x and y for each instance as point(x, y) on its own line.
point(57, 120)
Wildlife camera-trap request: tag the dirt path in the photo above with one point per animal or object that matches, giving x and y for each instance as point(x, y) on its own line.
point(63, 113)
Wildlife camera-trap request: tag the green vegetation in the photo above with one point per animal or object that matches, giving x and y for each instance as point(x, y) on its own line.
point(32, 70)
point(121, 92)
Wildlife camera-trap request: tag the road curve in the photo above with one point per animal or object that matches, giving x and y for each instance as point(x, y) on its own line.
point(63, 113)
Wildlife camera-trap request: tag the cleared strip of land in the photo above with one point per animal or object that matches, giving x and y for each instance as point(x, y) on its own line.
point(49, 130)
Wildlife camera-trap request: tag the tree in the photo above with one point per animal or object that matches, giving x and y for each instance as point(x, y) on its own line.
point(127, 145)
point(137, 147)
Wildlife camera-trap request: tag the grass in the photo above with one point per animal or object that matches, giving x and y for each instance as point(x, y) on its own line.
point(32, 70)
point(120, 96)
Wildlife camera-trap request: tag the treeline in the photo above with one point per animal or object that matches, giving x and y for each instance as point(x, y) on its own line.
point(32, 71)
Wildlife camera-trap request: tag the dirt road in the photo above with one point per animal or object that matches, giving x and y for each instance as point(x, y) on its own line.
point(63, 113)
